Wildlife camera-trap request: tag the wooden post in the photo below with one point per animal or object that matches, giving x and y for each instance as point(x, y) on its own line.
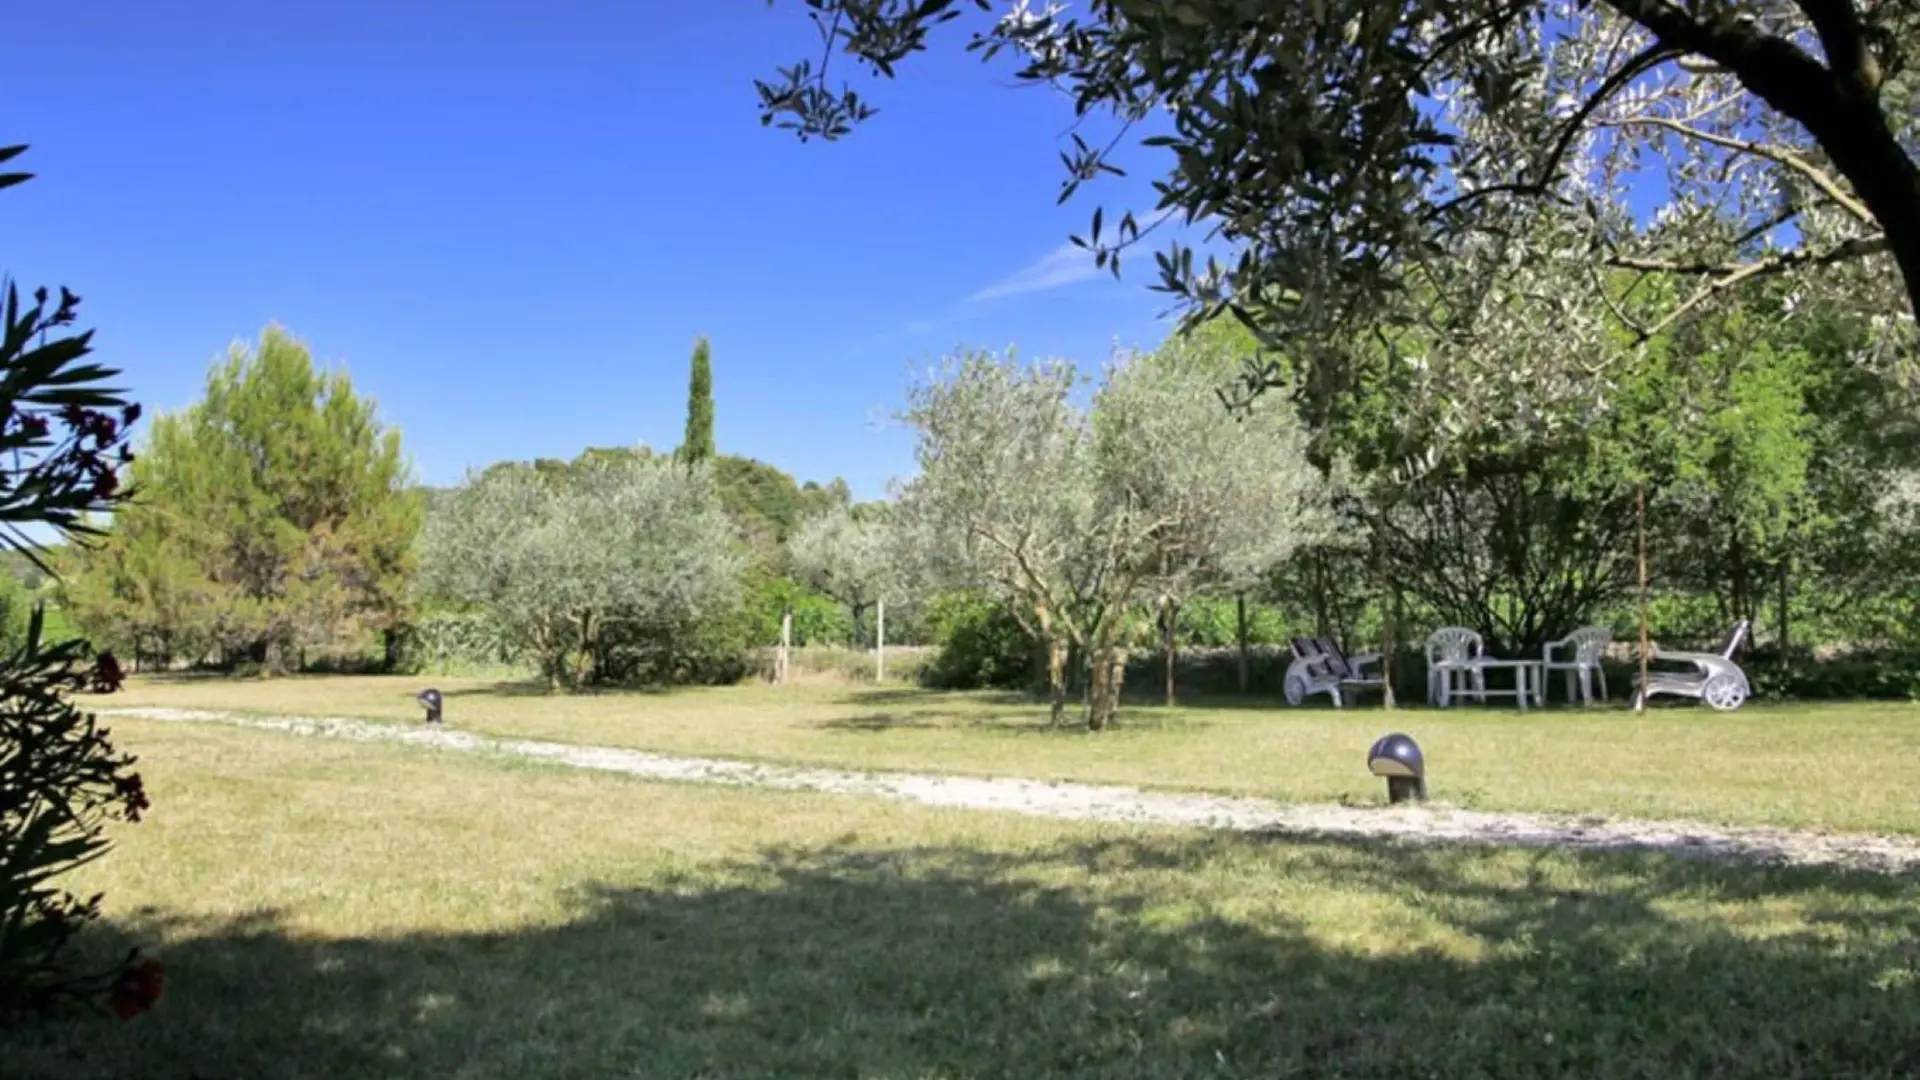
point(880, 641)
point(786, 642)
point(1640, 518)
point(1786, 597)
point(1169, 611)
point(1240, 625)
point(1391, 647)
point(1389, 614)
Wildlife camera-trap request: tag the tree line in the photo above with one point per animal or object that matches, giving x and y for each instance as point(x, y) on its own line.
point(1042, 542)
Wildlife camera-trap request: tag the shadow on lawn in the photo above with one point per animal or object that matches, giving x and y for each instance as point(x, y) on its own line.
point(538, 688)
point(945, 961)
point(921, 695)
point(1140, 705)
point(918, 720)
point(1024, 724)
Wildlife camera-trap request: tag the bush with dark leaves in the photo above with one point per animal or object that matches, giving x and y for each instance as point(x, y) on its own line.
point(63, 441)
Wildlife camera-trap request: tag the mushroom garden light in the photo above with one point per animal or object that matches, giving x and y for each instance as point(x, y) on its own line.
point(1398, 758)
point(430, 699)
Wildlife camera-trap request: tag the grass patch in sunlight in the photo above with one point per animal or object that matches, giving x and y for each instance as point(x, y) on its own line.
point(355, 911)
point(1836, 767)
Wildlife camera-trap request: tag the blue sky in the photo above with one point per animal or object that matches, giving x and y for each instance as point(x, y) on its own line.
point(509, 219)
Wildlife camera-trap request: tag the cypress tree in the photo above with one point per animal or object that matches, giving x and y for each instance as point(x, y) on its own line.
point(698, 443)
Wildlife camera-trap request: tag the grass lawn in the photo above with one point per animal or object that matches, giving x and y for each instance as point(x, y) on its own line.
point(1847, 767)
point(352, 911)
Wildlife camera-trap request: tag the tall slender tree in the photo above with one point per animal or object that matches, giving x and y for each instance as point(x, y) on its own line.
point(698, 444)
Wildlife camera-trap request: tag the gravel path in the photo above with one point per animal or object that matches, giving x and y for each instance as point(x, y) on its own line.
point(1113, 803)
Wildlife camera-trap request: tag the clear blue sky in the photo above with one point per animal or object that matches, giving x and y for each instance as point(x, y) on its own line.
point(509, 219)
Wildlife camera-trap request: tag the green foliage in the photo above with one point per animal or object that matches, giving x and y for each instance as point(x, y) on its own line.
point(275, 515)
point(1071, 517)
point(1416, 162)
point(617, 568)
point(1884, 675)
point(710, 650)
point(697, 446)
point(818, 619)
point(16, 611)
point(1214, 621)
point(18, 565)
point(62, 434)
point(454, 642)
point(767, 504)
point(61, 782)
point(853, 559)
point(977, 644)
point(764, 502)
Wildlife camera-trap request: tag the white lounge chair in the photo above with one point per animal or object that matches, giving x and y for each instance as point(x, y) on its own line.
point(1580, 654)
point(1319, 667)
point(1715, 678)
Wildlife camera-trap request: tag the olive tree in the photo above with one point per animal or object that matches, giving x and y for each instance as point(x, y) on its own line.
point(1074, 517)
point(1412, 163)
point(1207, 499)
point(626, 543)
point(1004, 498)
point(846, 557)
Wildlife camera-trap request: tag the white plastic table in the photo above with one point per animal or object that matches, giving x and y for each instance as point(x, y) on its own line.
point(1528, 681)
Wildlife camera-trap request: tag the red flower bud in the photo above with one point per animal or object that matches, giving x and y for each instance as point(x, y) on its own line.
point(138, 988)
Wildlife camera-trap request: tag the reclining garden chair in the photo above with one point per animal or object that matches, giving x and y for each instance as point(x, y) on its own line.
point(1715, 678)
point(1319, 667)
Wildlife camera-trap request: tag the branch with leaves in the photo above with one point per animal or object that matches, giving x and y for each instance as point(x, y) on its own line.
point(63, 432)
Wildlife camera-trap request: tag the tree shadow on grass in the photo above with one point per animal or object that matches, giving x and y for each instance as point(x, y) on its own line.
point(922, 695)
point(924, 720)
point(942, 720)
point(191, 678)
point(1080, 960)
point(538, 688)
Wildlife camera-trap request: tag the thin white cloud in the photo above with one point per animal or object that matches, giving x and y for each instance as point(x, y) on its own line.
point(1064, 265)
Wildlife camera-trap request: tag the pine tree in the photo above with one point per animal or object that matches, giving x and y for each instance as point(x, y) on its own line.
point(698, 444)
point(276, 513)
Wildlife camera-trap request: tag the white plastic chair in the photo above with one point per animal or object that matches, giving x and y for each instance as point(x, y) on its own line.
point(1581, 653)
point(1451, 651)
point(1715, 678)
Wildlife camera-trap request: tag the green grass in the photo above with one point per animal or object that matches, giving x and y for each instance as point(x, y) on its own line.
point(353, 912)
point(1842, 767)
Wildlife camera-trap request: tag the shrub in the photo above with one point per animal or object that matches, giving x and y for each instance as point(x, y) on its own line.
point(817, 619)
point(16, 609)
point(445, 642)
point(61, 780)
point(977, 644)
point(1883, 676)
point(1214, 621)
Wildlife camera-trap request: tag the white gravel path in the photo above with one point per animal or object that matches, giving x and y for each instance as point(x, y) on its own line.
point(1113, 803)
